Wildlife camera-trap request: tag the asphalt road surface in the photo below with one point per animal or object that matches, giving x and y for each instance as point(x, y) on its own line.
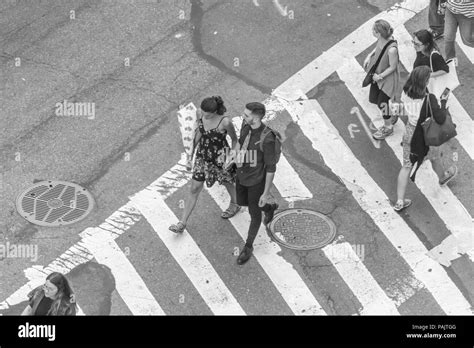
point(137, 62)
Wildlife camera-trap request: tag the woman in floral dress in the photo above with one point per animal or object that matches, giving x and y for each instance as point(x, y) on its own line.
point(212, 150)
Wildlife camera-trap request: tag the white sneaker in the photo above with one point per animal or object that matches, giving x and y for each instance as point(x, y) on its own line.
point(455, 60)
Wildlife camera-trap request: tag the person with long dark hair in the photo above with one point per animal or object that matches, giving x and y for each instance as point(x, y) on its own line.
point(419, 105)
point(428, 55)
point(54, 297)
point(211, 154)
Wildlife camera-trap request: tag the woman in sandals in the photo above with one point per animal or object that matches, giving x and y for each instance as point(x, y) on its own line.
point(427, 53)
point(419, 105)
point(212, 148)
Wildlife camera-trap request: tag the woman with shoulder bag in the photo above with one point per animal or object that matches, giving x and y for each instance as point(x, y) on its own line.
point(428, 54)
point(385, 84)
point(419, 104)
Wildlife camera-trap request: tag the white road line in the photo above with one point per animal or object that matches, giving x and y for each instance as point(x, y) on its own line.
point(370, 291)
point(355, 110)
point(360, 281)
point(464, 123)
point(290, 190)
point(115, 225)
point(187, 253)
point(443, 201)
point(352, 45)
point(80, 311)
point(351, 269)
point(128, 282)
point(285, 278)
point(468, 51)
point(325, 138)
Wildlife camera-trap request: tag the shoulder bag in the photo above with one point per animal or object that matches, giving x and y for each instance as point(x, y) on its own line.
point(434, 133)
point(370, 74)
point(436, 85)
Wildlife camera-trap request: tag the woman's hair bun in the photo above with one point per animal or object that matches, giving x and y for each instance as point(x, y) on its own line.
point(218, 100)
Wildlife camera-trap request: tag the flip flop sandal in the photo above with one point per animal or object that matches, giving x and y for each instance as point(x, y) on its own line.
point(229, 212)
point(406, 204)
point(449, 178)
point(178, 228)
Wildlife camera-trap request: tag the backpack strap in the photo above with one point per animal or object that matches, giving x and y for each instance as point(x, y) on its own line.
point(379, 58)
point(267, 130)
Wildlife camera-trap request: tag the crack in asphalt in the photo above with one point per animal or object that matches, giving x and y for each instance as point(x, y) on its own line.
point(85, 5)
point(102, 81)
point(197, 14)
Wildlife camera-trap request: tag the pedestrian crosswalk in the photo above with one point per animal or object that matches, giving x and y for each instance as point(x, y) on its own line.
point(423, 276)
point(444, 202)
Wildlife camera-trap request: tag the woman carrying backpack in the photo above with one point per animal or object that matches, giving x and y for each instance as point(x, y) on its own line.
point(210, 157)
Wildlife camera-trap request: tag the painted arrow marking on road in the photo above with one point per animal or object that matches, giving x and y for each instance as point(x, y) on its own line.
point(355, 110)
point(352, 130)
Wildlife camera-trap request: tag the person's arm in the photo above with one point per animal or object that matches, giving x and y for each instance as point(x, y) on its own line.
point(229, 127)
point(270, 164)
point(439, 113)
point(439, 65)
point(367, 59)
point(393, 61)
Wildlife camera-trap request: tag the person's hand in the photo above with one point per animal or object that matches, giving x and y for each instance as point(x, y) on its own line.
point(264, 198)
point(377, 77)
point(189, 163)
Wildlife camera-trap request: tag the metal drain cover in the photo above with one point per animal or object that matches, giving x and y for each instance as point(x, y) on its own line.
point(54, 203)
point(302, 229)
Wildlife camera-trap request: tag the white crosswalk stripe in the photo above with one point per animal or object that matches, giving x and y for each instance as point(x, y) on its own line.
point(359, 280)
point(463, 121)
point(283, 275)
point(189, 256)
point(288, 278)
point(444, 202)
point(128, 282)
point(327, 141)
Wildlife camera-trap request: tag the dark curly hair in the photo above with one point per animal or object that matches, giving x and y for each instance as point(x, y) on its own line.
point(214, 105)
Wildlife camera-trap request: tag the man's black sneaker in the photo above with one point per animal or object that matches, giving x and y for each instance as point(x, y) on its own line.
point(269, 215)
point(244, 255)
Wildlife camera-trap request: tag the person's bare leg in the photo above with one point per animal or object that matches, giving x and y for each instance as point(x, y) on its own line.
point(196, 188)
point(402, 183)
point(231, 189)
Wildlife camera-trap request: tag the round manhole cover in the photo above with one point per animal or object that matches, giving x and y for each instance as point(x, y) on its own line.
point(302, 229)
point(54, 203)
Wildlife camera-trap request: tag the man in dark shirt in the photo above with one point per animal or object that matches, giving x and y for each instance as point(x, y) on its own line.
point(255, 172)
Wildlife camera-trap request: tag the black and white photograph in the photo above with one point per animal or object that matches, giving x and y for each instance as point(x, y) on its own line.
point(194, 159)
